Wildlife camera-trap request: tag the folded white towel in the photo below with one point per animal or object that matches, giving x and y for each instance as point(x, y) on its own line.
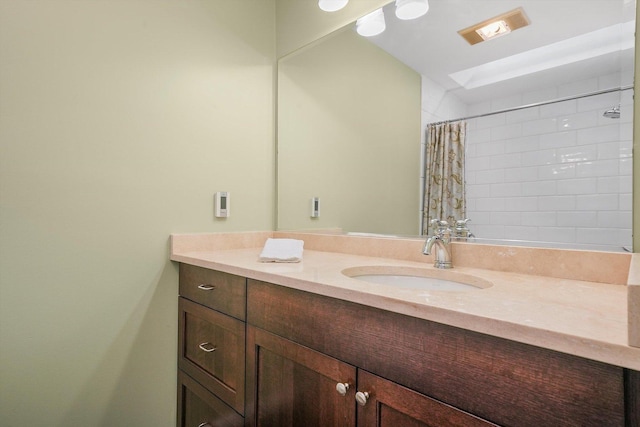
point(282, 250)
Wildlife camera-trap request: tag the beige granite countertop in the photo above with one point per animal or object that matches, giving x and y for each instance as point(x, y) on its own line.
point(579, 317)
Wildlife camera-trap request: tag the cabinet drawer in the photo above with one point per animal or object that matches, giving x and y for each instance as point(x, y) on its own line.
point(211, 350)
point(197, 406)
point(221, 291)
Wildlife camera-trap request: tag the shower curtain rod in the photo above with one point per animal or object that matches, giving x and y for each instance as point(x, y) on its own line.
point(537, 104)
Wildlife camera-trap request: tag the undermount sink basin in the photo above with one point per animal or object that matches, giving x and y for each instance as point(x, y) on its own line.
point(417, 278)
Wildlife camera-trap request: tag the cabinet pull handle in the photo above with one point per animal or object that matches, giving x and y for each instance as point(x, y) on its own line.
point(206, 287)
point(207, 347)
point(204, 424)
point(362, 397)
point(342, 388)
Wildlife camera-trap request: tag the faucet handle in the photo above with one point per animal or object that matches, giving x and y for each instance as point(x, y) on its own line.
point(462, 222)
point(436, 222)
point(439, 226)
point(461, 229)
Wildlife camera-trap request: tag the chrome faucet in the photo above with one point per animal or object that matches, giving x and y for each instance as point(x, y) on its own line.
point(441, 240)
point(461, 231)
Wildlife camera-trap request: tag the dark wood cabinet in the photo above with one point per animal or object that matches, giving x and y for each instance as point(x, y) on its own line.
point(462, 375)
point(258, 354)
point(293, 385)
point(211, 347)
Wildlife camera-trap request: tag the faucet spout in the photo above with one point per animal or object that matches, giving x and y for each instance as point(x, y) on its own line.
point(442, 253)
point(428, 244)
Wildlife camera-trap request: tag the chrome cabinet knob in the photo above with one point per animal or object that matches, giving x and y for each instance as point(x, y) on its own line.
point(204, 424)
point(362, 397)
point(206, 287)
point(342, 388)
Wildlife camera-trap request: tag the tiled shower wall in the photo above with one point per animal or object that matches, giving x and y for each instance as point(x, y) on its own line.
point(559, 172)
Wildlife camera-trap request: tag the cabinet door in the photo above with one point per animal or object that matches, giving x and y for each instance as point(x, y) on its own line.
point(391, 405)
point(290, 385)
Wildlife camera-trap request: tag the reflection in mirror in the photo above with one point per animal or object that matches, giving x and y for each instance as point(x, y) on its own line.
point(547, 149)
point(348, 134)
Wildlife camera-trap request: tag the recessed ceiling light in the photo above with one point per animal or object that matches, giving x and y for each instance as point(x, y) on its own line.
point(496, 26)
point(494, 29)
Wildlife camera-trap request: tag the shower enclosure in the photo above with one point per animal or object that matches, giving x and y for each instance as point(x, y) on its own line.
point(557, 172)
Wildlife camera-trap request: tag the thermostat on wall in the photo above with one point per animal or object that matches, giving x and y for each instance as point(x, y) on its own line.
point(315, 207)
point(222, 204)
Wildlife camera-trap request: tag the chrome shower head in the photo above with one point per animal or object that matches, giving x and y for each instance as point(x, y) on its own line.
point(612, 113)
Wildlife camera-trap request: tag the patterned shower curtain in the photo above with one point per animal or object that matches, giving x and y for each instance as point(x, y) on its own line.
point(444, 192)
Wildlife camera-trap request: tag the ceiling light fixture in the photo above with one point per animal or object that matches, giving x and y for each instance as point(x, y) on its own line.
point(494, 29)
point(496, 26)
point(372, 24)
point(411, 9)
point(332, 5)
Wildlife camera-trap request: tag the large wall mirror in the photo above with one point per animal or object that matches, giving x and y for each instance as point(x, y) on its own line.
point(547, 112)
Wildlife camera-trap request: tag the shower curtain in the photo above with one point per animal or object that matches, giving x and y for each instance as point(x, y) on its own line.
point(444, 193)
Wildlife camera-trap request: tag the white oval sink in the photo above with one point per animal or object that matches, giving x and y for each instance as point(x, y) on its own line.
point(417, 278)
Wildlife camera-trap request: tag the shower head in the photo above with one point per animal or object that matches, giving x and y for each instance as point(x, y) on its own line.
point(612, 113)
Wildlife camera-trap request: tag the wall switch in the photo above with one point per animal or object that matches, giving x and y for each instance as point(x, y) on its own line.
point(315, 207)
point(222, 204)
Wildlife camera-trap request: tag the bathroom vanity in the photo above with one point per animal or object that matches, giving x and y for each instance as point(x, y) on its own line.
point(304, 344)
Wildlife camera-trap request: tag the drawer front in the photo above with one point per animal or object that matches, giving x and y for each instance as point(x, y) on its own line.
point(211, 349)
point(197, 406)
point(221, 291)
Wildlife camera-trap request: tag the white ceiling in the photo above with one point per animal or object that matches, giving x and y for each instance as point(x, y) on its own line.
point(432, 46)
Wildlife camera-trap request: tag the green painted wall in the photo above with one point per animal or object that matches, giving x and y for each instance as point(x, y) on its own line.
point(118, 122)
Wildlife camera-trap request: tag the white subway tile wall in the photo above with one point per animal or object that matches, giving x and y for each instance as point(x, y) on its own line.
point(556, 173)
